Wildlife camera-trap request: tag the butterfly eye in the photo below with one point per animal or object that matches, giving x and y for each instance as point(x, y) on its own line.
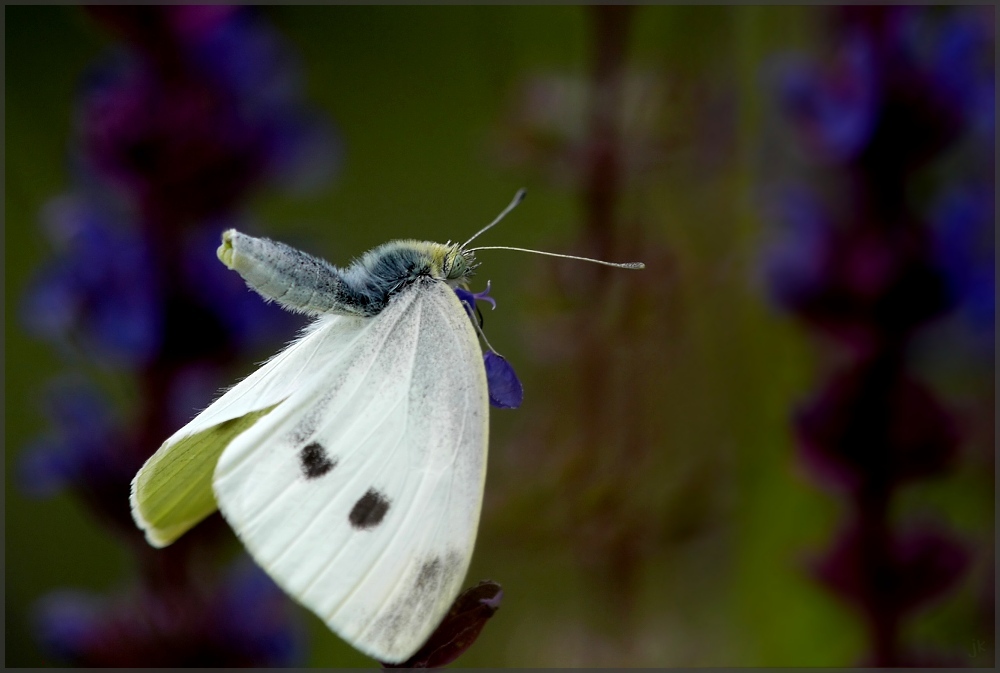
point(456, 268)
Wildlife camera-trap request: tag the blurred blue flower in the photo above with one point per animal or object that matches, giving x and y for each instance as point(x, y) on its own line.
point(193, 140)
point(100, 291)
point(249, 323)
point(251, 59)
point(859, 281)
point(173, 132)
point(180, 145)
point(81, 444)
point(869, 272)
point(794, 264)
point(256, 616)
point(959, 57)
point(247, 621)
point(965, 235)
point(833, 109)
point(67, 621)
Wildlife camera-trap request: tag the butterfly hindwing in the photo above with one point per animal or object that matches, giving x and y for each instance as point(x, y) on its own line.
point(360, 494)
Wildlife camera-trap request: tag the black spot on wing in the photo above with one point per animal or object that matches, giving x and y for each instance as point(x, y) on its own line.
point(369, 511)
point(315, 461)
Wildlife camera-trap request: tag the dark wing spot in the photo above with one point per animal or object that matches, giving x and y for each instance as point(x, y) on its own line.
point(430, 572)
point(315, 462)
point(369, 511)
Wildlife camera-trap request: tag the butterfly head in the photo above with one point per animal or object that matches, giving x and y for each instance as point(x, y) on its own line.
point(458, 265)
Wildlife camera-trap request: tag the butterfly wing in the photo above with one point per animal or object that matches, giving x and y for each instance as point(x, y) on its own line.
point(360, 494)
point(172, 491)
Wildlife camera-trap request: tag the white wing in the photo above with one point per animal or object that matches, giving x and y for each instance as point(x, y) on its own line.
point(360, 494)
point(172, 491)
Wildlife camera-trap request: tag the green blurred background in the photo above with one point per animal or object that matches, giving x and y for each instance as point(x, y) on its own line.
point(718, 519)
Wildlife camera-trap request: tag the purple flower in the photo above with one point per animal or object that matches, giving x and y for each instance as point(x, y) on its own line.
point(469, 299)
point(505, 391)
point(162, 34)
point(869, 272)
point(916, 567)
point(81, 444)
point(248, 323)
point(100, 290)
point(956, 52)
point(795, 263)
point(834, 110)
point(179, 145)
point(249, 58)
point(867, 423)
point(504, 387)
point(172, 134)
point(965, 236)
point(256, 616)
point(856, 281)
point(66, 622)
point(246, 622)
point(198, 117)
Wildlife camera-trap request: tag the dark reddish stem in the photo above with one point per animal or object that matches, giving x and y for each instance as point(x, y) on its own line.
point(602, 182)
point(601, 191)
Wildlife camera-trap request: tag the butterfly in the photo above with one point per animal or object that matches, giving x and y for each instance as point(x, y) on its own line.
point(351, 465)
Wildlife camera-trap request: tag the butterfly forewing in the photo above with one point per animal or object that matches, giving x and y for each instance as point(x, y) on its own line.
point(361, 493)
point(172, 492)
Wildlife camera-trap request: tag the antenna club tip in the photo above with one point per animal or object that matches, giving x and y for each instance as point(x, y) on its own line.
point(635, 265)
point(519, 196)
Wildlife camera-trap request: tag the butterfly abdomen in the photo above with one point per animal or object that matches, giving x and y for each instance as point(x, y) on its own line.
point(307, 284)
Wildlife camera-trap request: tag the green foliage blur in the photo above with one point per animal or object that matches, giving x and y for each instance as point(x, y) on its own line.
point(712, 532)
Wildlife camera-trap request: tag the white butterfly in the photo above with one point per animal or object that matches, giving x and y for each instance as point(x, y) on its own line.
point(352, 464)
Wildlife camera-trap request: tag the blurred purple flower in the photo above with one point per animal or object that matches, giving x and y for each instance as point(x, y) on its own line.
point(965, 236)
point(196, 21)
point(194, 140)
point(172, 134)
point(254, 613)
point(100, 289)
point(857, 281)
point(81, 445)
point(958, 52)
point(179, 144)
point(795, 264)
point(833, 110)
point(247, 622)
point(867, 422)
point(917, 567)
point(252, 60)
point(67, 621)
point(869, 273)
point(248, 323)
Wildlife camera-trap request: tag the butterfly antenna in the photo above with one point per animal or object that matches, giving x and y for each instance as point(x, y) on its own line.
point(513, 204)
point(617, 265)
point(479, 328)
